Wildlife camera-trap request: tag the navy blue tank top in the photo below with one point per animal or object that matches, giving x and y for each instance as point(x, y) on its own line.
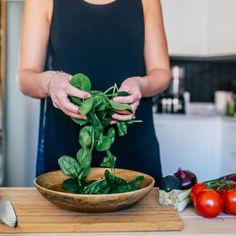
point(105, 42)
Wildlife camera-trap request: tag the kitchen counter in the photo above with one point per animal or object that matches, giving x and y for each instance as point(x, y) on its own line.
point(195, 111)
point(193, 117)
point(194, 137)
point(193, 224)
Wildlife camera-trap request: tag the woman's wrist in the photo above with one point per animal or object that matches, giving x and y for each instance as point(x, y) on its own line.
point(52, 75)
point(154, 82)
point(143, 83)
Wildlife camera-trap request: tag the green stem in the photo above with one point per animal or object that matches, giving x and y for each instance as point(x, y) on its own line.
point(109, 89)
point(112, 95)
point(92, 144)
point(114, 89)
point(88, 187)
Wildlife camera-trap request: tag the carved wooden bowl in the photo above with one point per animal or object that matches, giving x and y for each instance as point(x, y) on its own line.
point(49, 185)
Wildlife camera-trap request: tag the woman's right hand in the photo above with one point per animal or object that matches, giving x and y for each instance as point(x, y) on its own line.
point(59, 89)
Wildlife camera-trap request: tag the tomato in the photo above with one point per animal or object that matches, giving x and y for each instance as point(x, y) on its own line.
point(195, 189)
point(230, 201)
point(208, 203)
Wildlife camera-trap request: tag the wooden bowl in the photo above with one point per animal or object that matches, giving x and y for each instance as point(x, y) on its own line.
point(49, 185)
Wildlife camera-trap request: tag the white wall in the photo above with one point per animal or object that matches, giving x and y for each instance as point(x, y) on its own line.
point(21, 114)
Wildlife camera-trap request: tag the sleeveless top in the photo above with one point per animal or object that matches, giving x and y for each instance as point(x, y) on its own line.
point(105, 42)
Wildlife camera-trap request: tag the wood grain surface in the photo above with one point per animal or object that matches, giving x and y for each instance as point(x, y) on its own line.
point(37, 215)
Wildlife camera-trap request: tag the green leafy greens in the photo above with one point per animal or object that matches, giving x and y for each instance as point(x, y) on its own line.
point(96, 133)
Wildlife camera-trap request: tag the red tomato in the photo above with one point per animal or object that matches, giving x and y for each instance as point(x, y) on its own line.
point(230, 202)
point(195, 189)
point(208, 203)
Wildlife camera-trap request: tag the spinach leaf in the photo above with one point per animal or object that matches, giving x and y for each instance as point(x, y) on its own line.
point(121, 188)
point(84, 157)
point(76, 100)
point(81, 81)
point(94, 187)
point(103, 144)
point(111, 133)
point(120, 106)
point(106, 121)
point(86, 106)
point(97, 133)
point(106, 162)
point(109, 161)
point(85, 136)
point(122, 94)
point(96, 92)
point(69, 166)
point(136, 180)
point(79, 121)
point(122, 128)
point(83, 174)
point(93, 119)
point(71, 185)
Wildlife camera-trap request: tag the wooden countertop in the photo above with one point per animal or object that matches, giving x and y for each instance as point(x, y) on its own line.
point(193, 224)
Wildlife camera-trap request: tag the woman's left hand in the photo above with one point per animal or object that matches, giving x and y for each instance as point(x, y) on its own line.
point(132, 86)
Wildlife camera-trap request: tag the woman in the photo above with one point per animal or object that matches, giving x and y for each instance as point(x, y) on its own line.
point(111, 41)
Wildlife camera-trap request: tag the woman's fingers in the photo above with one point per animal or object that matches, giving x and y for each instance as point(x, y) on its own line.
point(70, 109)
point(75, 115)
point(66, 104)
point(122, 117)
point(71, 90)
point(127, 99)
point(134, 107)
point(123, 112)
point(62, 102)
point(60, 88)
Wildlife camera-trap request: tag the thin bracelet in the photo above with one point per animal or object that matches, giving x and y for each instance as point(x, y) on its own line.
point(50, 81)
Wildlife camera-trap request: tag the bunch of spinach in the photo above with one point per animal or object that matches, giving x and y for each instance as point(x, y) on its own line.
point(98, 134)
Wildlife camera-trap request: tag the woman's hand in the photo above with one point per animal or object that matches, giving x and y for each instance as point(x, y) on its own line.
point(132, 86)
point(59, 89)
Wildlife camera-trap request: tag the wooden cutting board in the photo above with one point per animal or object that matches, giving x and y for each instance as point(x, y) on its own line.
point(37, 215)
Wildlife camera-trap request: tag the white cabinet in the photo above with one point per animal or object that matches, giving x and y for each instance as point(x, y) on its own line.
point(200, 28)
point(221, 27)
point(185, 26)
point(228, 147)
point(189, 142)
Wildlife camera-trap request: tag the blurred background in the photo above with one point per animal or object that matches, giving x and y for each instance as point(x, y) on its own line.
point(195, 118)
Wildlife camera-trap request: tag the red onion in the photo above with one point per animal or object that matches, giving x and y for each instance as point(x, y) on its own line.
point(187, 178)
point(232, 177)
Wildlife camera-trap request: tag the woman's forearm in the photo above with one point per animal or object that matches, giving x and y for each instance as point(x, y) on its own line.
point(154, 82)
point(34, 84)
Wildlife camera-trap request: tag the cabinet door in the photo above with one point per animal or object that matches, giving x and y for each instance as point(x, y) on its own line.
point(221, 27)
point(200, 28)
point(185, 26)
point(192, 144)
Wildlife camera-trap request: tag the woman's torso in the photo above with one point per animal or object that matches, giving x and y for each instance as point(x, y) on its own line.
point(105, 42)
